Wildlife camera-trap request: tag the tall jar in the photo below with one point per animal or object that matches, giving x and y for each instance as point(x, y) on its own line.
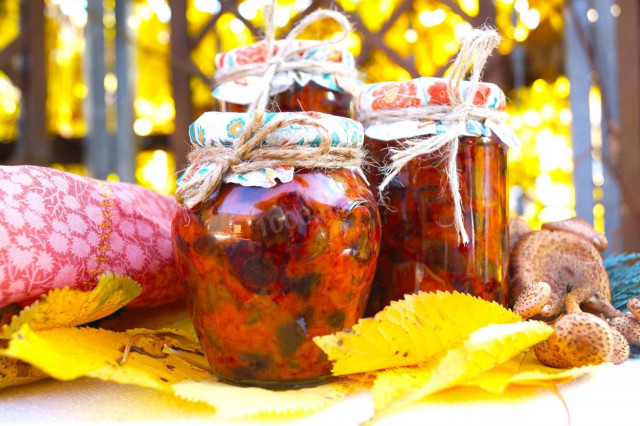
point(420, 247)
point(276, 256)
point(291, 90)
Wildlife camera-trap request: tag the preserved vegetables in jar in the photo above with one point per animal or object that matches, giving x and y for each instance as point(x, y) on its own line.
point(268, 265)
point(420, 248)
point(291, 90)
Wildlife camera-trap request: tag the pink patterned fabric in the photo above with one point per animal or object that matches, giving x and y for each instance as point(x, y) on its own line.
point(59, 229)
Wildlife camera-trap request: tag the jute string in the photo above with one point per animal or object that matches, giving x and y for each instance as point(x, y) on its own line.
point(249, 153)
point(474, 50)
point(287, 58)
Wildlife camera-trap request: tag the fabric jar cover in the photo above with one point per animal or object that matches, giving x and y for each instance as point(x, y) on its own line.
point(224, 129)
point(425, 91)
point(62, 230)
point(243, 91)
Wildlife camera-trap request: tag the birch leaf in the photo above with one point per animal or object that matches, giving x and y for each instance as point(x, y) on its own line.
point(14, 372)
point(411, 331)
point(67, 308)
point(526, 370)
point(69, 353)
point(483, 350)
point(231, 402)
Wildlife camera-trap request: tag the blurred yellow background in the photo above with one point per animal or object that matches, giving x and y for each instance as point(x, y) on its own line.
point(422, 37)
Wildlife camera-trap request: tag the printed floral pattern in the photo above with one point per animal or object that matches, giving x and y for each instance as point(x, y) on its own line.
point(253, 54)
point(59, 229)
point(438, 94)
point(395, 95)
point(424, 91)
point(235, 127)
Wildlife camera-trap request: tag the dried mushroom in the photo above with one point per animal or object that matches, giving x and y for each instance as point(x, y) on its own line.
point(558, 275)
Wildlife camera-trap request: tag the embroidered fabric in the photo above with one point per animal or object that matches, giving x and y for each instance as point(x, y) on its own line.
point(59, 229)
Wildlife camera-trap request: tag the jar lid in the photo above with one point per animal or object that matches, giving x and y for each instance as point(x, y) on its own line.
point(244, 90)
point(424, 91)
point(224, 129)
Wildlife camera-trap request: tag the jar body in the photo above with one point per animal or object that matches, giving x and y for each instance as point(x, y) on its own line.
point(310, 97)
point(420, 248)
point(267, 269)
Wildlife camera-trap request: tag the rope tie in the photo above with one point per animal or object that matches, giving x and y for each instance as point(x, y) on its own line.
point(287, 57)
point(474, 50)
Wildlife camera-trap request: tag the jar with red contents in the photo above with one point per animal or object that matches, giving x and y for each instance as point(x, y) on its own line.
point(276, 256)
point(420, 248)
point(291, 90)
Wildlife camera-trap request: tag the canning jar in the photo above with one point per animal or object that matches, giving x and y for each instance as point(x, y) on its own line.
point(291, 90)
point(421, 248)
point(276, 257)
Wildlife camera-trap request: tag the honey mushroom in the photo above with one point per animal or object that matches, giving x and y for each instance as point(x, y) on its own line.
point(558, 275)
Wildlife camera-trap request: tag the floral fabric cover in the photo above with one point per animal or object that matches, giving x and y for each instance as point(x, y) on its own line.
point(224, 129)
point(243, 91)
point(425, 91)
point(58, 229)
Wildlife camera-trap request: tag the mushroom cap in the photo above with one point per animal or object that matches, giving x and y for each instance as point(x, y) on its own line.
point(532, 299)
point(517, 228)
point(561, 259)
point(579, 227)
point(621, 349)
point(549, 358)
point(628, 326)
point(582, 339)
point(634, 307)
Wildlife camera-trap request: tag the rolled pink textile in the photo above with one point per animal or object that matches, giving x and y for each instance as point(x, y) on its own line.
point(58, 229)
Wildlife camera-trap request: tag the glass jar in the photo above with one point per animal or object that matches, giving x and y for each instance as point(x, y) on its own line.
point(291, 91)
point(420, 249)
point(267, 269)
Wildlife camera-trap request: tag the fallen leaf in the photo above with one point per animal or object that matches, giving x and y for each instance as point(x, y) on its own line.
point(526, 370)
point(411, 331)
point(67, 308)
point(231, 402)
point(171, 318)
point(484, 349)
point(14, 372)
point(69, 353)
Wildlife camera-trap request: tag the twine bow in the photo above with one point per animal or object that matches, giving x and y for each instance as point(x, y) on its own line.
point(287, 58)
point(474, 49)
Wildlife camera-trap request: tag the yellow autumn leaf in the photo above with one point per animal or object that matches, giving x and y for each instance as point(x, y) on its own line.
point(67, 308)
point(484, 349)
point(526, 370)
point(230, 401)
point(170, 318)
point(69, 353)
point(14, 372)
point(411, 331)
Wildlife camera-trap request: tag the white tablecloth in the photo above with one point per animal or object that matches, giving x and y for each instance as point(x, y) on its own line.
point(611, 396)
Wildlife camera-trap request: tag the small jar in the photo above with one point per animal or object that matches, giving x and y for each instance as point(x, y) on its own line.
point(420, 249)
point(294, 90)
point(269, 264)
